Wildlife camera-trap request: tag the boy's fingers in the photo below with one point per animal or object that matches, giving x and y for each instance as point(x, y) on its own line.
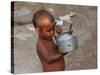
point(58, 30)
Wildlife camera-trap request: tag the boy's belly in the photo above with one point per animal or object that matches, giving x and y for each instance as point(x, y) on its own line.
point(56, 66)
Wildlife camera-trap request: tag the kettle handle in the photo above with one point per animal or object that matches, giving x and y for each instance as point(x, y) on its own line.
point(70, 28)
point(68, 32)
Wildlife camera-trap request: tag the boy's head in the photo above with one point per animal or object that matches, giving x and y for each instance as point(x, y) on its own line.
point(44, 23)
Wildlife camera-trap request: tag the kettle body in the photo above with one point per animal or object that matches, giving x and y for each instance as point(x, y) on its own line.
point(66, 42)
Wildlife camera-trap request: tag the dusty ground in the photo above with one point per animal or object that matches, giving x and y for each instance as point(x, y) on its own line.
point(84, 26)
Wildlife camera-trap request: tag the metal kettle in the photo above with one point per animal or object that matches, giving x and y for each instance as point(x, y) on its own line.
point(66, 41)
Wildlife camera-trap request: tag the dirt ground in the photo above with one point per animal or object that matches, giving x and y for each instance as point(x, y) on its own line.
point(84, 26)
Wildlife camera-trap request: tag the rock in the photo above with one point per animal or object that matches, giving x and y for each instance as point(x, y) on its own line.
point(23, 15)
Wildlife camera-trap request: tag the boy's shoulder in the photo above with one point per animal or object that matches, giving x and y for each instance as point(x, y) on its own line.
point(41, 47)
point(40, 44)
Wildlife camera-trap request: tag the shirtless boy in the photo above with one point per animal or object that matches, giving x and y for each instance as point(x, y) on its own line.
point(50, 57)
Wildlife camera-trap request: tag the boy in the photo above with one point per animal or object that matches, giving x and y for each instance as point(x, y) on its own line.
point(47, 51)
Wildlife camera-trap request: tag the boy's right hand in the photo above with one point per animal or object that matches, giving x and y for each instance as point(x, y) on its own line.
point(58, 29)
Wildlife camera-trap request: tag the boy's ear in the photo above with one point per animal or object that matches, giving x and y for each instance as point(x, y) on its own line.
point(37, 29)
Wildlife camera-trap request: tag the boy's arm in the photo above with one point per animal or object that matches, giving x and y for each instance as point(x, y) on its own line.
point(42, 50)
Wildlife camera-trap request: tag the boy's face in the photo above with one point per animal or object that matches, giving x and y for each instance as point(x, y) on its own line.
point(46, 28)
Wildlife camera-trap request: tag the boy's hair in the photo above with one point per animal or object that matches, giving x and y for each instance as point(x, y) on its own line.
point(40, 13)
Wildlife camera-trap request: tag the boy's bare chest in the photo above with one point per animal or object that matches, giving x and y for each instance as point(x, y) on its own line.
point(51, 47)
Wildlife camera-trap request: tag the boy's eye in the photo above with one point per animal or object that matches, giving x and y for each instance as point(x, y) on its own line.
point(49, 30)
